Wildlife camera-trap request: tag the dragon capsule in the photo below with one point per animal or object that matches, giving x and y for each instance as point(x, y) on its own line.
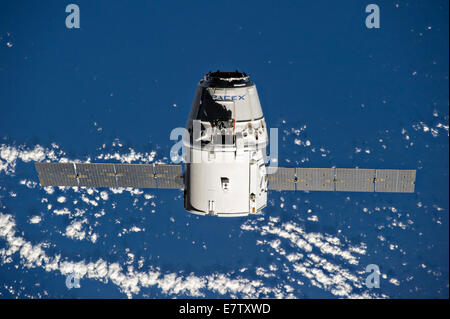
point(225, 172)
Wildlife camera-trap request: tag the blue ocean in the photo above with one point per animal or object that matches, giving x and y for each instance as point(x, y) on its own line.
point(341, 95)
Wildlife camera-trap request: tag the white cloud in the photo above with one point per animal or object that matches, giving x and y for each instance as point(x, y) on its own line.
point(75, 230)
point(130, 157)
point(61, 199)
point(131, 281)
point(35, 220)
point(63, 211)
point(104, 195)
point(10, 154)
point(315, 256)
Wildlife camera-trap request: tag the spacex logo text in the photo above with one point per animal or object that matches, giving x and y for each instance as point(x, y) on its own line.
point(228, 97)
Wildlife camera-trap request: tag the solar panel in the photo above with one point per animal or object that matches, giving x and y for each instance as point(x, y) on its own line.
point(398, 181)
point(282, 179)
point(315, 179)
point(110, 175)
point(168, 176)
point(354, 180)
point(96, 174)
point(135, 175)
point(342, 179)
point(56, 174)
point(171, 176)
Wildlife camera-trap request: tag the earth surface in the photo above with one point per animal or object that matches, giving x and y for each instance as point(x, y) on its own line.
point(340, 94)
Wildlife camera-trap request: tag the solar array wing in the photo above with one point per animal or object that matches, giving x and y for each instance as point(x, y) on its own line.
point(135, 175)
point(61, 174)
point(354, 180)
point(282, 179)
point(110, 175)
point(342, 179)
point(168, 176)
point(394, 180)
point(171, 176)
point(315, 179)
point(96, 174)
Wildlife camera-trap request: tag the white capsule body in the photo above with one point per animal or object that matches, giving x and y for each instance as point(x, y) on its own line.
point(225, 173)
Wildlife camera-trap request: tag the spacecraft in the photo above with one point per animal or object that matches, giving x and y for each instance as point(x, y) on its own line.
point(226, 171)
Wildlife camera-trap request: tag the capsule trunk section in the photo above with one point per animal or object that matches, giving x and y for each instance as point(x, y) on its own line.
point(225, 172)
